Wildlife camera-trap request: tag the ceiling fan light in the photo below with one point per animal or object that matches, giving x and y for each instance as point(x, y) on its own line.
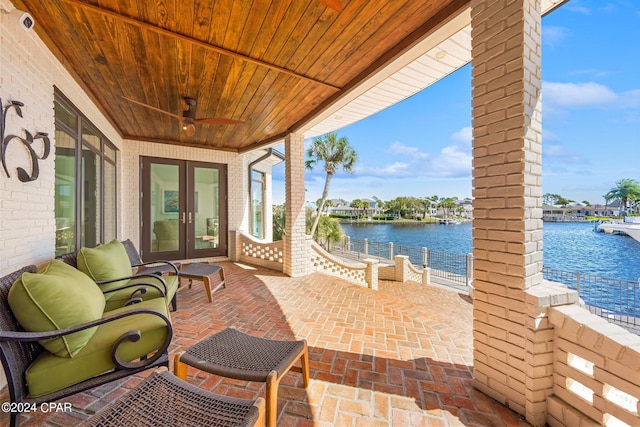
point(189, 128)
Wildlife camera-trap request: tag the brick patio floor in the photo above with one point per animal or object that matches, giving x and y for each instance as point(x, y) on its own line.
point(399, 356)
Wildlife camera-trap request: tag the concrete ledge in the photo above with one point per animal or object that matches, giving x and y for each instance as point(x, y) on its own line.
point(551, 294)
point(560, 414)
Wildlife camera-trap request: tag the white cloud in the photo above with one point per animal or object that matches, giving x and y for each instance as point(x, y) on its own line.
point(398, 148)
point(464, 135)
point(559, 98)
point(547, 135)
point(397, 168)
point(577, 94)
point(576, 6)
point(593, 72)
point(552, 34)
point(559, 153)
point(453, 162)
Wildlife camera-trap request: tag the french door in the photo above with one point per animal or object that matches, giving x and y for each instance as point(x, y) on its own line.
point(184, 209)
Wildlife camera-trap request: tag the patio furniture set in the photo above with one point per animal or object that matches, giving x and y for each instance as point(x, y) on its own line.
point(85, 319)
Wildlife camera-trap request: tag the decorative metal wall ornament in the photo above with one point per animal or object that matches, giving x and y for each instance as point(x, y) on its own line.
point(27, 141)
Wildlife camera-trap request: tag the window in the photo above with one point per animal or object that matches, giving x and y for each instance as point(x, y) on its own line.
point(257, 203)
point(85, 181)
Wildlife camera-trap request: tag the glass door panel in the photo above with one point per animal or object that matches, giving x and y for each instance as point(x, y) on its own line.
point(257, 202)
point(183, 209)
point(65, 199)
point(206, 208)
point(166, 213)
point(91, 207)
point(110, 202)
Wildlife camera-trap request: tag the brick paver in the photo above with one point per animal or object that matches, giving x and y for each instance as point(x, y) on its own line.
point(399, 356)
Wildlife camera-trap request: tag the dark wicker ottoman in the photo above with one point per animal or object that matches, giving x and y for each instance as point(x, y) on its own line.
point(164, 400)
point(206, 273)
point(233, 354)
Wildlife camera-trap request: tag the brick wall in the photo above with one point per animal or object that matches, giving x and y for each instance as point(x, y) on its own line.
point(512, 351)
point(130, 184)
point(28, 73)
point(295, 252)
point(596, 371)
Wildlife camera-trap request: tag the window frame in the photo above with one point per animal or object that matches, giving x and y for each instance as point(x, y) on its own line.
point(262, 181)
point(107, 153)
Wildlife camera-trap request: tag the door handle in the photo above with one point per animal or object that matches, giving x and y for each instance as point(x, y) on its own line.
point(184, 221)
point(190, 219)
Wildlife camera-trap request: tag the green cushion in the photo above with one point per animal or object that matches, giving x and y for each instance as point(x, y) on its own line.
point(105, 262)
point(119, 298)
point(57, 297)
point(49, 373)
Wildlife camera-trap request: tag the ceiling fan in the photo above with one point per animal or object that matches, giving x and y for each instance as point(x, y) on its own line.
point(188, 117)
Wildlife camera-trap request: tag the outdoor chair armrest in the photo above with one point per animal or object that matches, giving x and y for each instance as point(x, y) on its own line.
point(155, 276)
point(132, 335)
point(173, 265)
point(140, 287)
point(36, 336)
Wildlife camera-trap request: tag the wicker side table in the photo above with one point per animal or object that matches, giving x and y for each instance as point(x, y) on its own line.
point(233, 354)
point(206, 273)
point(162, 400)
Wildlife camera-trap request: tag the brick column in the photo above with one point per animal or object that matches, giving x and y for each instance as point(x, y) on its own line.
point(507, 207)
point(295, 245)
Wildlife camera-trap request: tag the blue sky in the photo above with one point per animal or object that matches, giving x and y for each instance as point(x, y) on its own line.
point(591, 119)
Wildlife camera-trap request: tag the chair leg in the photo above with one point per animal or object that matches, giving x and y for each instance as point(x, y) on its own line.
point(174, 302)
point(259, 403)
point(224, 285)
point(304, 362)
point(207, 287)
point(179, 368)
point(272, 398)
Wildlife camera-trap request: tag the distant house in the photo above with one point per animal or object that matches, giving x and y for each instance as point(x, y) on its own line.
point(578, 211)
point(467, 207)
point(341, 207)
point(554, 213)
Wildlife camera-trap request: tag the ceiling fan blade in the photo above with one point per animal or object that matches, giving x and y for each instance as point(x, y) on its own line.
point(333, 4)
point(151, 107)
point(214, 121)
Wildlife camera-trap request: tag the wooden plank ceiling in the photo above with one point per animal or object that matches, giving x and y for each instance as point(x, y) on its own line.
point(271, 64)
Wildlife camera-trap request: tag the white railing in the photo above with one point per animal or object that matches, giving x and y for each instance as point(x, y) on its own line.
point(596, 371)
point(248, 249)
point(363, 273)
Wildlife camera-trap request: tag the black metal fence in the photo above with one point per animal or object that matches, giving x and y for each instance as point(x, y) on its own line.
point(616, 300)
point(446, 268)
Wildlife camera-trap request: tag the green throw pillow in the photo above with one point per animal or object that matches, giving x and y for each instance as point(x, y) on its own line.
point(57, 297)
point(106, 262)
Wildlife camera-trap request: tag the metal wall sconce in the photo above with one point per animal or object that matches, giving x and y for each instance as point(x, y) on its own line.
point(27, 141)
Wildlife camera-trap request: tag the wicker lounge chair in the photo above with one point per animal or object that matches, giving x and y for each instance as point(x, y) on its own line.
point(35, 375)
point(155, 267)
point(234, 354)
point(163, 400)
point(119, 290)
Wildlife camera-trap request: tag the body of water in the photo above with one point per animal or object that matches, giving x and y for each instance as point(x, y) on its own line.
point(570, 246)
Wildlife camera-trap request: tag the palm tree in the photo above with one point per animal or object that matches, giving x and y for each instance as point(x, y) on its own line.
point(379, 205)
point(356, 204)
point(447, 204)
point(334, 152)
point(625, 190)
point(328, 232)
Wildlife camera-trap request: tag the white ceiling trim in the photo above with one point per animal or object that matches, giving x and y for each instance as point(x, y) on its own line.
point(417, 69)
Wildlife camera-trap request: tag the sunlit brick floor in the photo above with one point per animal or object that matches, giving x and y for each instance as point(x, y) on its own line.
point(399, 356)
